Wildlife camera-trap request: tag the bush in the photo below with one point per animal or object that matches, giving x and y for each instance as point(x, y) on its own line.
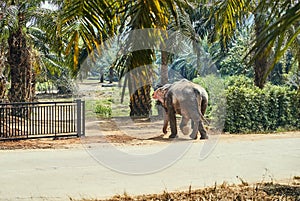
point(250, 109)
point(239, 81)
point(103, 110)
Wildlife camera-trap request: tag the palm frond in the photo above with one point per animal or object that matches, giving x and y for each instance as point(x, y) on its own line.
point(227, 14)
point(85, 24)
point(282, 34)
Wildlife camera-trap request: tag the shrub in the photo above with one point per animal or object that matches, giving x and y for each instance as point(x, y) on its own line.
point(103, 110)
point(239, 81)
point(250, 109)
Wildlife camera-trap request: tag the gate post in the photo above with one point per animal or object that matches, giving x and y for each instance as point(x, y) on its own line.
point(83, 118)
point(79, 118)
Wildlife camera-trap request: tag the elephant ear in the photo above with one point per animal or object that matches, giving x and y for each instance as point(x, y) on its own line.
point(166, 87)
point(165, 90)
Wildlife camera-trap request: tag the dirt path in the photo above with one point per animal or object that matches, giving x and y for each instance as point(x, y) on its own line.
point(124, 131)
point(112, 135)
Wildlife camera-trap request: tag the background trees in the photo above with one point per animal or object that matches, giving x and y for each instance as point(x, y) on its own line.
point(276, 30)
point(259, 39)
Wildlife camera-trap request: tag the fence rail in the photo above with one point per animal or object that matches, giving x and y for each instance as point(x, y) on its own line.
point(42, 119)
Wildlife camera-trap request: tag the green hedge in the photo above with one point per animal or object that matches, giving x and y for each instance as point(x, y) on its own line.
point(248, 109)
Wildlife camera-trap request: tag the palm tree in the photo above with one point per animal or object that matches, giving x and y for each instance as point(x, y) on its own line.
point(144, 15)
point(16, 24)
point(38, 47)
point(85, 24)
point(280, 33)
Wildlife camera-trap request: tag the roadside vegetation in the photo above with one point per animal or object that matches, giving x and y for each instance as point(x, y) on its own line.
point(225, 191)
point(249, 109)
point(253, 46)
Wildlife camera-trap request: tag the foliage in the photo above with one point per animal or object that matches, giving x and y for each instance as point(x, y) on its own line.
point(186, 65)
point(37, 29)
point(219, 20)
point(237, 106)
point(250, 109)
point(102, 109)
point(276, 27)
point(285, 72)
point(84, 24)
point(239, 81)
point(226, 16)
point(233, 63)
point(281, 32)
point(292, 79)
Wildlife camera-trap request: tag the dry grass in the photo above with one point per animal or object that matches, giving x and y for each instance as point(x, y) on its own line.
point(257, 192)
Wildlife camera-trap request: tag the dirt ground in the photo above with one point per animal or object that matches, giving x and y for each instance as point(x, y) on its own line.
point(124, 131)
point(112, 133)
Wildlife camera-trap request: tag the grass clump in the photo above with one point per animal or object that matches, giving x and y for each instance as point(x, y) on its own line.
point(102, 110)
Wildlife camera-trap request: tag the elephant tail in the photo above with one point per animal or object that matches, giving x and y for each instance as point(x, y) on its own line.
point(202, 104)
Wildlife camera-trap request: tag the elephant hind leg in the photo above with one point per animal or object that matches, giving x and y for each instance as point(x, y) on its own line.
point(198, 126)
point(194, 133)
point(202, 131)
point(183, 125)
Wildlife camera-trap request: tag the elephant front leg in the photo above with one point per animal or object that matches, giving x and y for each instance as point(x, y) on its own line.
point(173, 124)
point(166, 122)
point(172, 115)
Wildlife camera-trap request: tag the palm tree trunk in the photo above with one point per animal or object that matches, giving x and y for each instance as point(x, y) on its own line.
point(2, 87)
point(140, 102)
point(139, 83)
point(164, 76)
point(21, 73)
point(2, 77)
point(164, 68)
point(298, 73)
point(261, 65)
point(140, 99)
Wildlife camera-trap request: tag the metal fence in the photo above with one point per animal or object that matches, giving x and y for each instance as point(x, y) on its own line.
point(42, 119)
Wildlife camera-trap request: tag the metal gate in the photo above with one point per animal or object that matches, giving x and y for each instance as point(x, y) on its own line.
point(42, 119)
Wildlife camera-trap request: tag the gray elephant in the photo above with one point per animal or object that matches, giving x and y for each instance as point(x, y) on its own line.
point(187, 99)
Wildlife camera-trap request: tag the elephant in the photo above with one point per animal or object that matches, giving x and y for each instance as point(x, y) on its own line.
point(188, 99)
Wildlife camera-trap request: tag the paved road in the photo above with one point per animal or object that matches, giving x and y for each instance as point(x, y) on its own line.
point(59, 174)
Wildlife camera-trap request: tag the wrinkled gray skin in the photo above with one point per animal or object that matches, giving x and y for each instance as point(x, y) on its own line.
point(187, 99)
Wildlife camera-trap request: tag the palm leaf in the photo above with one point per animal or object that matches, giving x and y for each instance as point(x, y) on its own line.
point(84, 23)
point(226, 15)
point(283, 33)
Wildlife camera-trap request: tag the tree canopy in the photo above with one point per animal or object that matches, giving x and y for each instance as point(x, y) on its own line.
point(62, 37)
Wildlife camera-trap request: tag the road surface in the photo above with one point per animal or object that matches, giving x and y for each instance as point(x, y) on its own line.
point(60, 174)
